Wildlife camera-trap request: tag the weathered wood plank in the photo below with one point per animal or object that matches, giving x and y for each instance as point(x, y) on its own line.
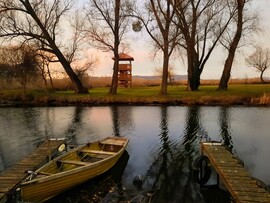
point(253, 198)
point(97, 152)
point(80, 163)
point(235, 177)
point(254, 202)
point(11, 177)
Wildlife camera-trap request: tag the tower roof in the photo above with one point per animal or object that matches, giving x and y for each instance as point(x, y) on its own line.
point(125, 57)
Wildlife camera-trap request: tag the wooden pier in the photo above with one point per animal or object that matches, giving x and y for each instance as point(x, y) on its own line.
point(236, 178)
point(10, 178)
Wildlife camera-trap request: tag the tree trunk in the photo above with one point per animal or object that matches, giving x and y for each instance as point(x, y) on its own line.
point(114, 84)
point(223, 84)
point(194, 72)
point(190, 69)
point(43, 75)
point(50, 76)
point(79, 88)
point(261, 77)
point(164, 82)
point(196, 79)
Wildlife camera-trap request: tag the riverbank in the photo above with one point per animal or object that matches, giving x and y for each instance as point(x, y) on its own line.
point(244, 94)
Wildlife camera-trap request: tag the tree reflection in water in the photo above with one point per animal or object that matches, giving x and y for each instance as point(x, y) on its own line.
point(121, 119)
point(224, 123)
point(115, 120)
point(170, 170)
point(74, 126)
point(173, 146)
point(169, 175)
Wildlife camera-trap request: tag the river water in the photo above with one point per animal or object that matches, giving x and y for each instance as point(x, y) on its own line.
point(164, 140)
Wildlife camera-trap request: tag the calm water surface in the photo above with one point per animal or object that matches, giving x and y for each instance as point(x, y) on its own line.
point(163, 140)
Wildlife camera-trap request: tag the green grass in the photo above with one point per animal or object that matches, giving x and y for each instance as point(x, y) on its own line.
point(206, 95)
point(180, 91)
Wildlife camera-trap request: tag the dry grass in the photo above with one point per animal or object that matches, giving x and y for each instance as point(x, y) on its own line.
point(262, 100)
point(95, 82)
point(233, 81)
point(141, 82)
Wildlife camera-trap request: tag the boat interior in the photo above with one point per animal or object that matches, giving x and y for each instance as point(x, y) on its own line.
point(89, 154)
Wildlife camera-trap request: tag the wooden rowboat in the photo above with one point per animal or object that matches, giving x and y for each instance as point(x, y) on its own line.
point(72, 168)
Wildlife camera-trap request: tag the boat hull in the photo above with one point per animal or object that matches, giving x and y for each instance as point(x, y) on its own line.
point(45, 188)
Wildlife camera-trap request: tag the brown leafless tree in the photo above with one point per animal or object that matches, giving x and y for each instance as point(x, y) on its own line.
point(242, 25)
point(107, 25)
point(84, 68)
point(158, 71)
point(38, 21)
point(44, 60)
point(158, 22)
point(77, 54)
point(202, 23)
point(165, 36)
point(260, 60)
point(19, 64)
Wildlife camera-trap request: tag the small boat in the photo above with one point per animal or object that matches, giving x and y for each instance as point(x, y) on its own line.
point(72, 168)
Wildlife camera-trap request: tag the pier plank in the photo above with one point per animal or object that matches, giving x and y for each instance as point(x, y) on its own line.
point(235, 177)
point(12, 176)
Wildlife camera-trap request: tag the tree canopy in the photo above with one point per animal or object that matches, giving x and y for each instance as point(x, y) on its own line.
point(38, 22)
point(260, 60)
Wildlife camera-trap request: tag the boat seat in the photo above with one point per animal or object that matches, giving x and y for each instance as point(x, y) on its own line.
point(44, 173)
point(81, 163)
point(113, 142)
point(97, 152)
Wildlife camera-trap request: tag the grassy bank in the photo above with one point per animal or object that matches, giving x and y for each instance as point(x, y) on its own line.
point(240, 94)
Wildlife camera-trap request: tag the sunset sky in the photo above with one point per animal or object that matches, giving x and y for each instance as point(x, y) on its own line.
point(144, 62)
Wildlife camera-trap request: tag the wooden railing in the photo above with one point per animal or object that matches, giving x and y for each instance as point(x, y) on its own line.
point(125, 67)
point(124, 77)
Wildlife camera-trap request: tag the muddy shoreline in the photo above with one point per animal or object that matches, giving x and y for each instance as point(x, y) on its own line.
point(31, 101)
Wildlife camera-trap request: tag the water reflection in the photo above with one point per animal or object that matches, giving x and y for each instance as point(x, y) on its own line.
point(170, 169)
point(121, 118)
point(163, 140)
point(192, 129)
point(158, 170)
point(224, 123)
point(74, 126)
point(18, 130)
point(115, 120)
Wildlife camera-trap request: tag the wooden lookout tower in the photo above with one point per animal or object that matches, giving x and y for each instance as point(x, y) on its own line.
point(125, 70)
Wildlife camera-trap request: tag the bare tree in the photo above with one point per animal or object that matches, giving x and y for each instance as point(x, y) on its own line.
point(158, 71)
point(244, 23)
point(202, 23)
point(38, 21)
point(260, 60)
point(19, 64)
point(85, 67)
point(77, 54)
point(107, 25)
point(44, 60)
point(158, 21)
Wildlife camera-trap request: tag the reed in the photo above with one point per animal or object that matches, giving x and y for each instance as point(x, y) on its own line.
point(262, 100)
